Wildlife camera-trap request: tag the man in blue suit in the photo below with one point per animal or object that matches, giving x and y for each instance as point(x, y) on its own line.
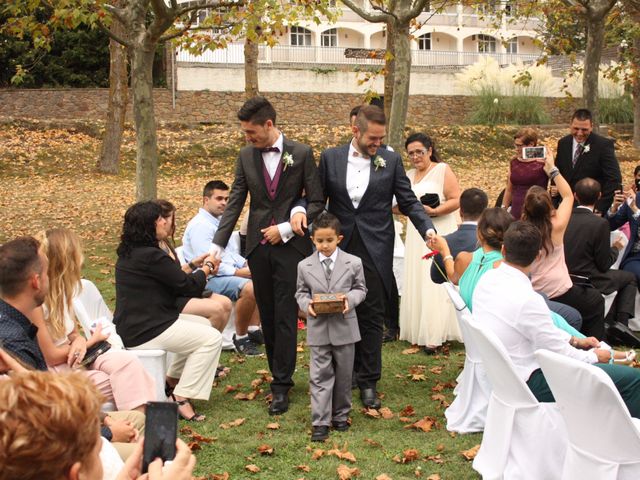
point(473, 202)
point(359, 180)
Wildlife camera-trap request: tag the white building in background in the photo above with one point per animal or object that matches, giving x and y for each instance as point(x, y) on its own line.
point(445, 42)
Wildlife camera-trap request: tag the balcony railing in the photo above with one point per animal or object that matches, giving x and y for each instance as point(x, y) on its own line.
point(287, 55)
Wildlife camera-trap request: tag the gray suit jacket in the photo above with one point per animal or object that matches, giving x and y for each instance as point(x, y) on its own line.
point(373, 216)
point(347, 277)
point(301, 177)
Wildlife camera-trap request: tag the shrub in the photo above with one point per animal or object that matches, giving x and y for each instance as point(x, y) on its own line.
point(491, 108)
point(616, 109)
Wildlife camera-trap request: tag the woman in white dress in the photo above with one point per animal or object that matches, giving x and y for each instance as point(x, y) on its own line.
point(427, 316)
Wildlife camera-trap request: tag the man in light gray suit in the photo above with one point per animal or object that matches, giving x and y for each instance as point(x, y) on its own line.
point(331, 336)
point(360, 180)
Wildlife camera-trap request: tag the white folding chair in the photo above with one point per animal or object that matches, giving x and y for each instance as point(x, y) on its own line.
point(468, 411)
point(604, 441)
point(523, 438)
point(180, 254)
point(89, 306)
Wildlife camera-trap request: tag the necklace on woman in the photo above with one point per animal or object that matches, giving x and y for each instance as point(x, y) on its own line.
point(428, 169)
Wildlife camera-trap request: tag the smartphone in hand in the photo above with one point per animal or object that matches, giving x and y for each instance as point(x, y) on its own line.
point(160, 432)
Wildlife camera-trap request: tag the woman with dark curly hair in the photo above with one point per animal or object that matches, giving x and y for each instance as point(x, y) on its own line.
point(148, 283)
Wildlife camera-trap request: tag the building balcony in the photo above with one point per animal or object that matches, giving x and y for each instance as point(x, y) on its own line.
point(283, 55)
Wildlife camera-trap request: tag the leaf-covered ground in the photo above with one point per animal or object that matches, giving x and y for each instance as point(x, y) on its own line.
point(48, 179)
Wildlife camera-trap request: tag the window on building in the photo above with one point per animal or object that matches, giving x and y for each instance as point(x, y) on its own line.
point(487, 8)
point(512, 45)
point(510, 8)
point(300, 37)
point(424, 42)
point(329, 38)
point(486, 44)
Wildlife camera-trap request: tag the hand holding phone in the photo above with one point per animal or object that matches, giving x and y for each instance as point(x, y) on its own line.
point(534, 153)
point(161, 431)
point(180, 469)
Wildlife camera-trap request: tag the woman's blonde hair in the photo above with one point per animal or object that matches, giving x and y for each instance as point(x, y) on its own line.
point(48, 422)
point(64, 251)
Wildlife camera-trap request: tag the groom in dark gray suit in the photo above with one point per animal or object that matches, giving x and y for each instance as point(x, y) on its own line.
point(276, 171)
point(360, 180)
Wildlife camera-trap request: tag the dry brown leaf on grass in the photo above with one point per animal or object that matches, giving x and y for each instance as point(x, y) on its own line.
point(236, 423)
point(232, 388)
point(194, 446)
point(433, 476)
point(252, 468)
point(265, 449)
point(412, 350)
point(471, 453)
point(372, 442)
point(425, 424)
point(257, 382)
point(386, 413)
point(317, 453)
point(300, 347)
point(435, 459)
point(438, 397)
point(405, 419)
point(303, 468)
point(409, 455)
point(262, 372)
point(440, 447)
point(417, 377)
point(383, 476)
point(371, 412)
point(273, 426)
point(407, 411)
point(346, 473)
point(436, 370)
point(220, 476)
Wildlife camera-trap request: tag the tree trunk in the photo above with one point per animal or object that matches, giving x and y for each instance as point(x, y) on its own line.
point(400, 101)
point(118, 92)
point(593, 54)
point(145, 122)
point(635, 88)
point(251, 52)
point(390, 66)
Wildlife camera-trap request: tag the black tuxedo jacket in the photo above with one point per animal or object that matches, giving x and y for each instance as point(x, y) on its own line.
point(464, 239)
point(373, 217)
point(296, 180)
point(587, 249)
point(599, 163)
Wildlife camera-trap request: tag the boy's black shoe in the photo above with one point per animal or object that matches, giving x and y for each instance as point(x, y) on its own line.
point(320, 433)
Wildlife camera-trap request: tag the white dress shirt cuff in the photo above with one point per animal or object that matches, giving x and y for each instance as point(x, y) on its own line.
point(216, 250)
point(286, 232)
point(593, 358)
point(298, 209)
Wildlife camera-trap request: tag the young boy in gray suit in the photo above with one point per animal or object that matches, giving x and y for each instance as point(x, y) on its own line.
point(331, 336)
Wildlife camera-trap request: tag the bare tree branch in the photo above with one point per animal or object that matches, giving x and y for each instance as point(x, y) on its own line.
point(207, 4)
point(367, 16)
point(416, 9)
point(182, 31)
point(115, 37)
point(118, 13)
point(160, 8)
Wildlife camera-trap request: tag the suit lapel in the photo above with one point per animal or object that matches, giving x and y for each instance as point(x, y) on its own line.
point(316, 270)
point(339, 269)
point(341, 171)
point(259, 169)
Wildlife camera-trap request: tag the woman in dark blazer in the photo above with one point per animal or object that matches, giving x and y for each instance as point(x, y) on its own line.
point(148, 282)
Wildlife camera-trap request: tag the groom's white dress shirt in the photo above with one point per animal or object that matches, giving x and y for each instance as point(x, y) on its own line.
point(504, 302)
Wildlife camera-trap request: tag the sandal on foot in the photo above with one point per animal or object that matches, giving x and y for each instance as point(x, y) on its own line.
point(627, 360)
point(196, 417)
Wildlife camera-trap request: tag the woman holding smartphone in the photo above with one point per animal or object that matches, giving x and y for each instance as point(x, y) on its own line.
point(523, 173)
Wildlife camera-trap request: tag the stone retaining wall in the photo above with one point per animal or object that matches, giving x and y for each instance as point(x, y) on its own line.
point(221, 107)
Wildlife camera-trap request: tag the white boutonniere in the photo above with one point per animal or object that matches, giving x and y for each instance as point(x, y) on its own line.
point(586, 148)
point(287, 160)
point(379, 162)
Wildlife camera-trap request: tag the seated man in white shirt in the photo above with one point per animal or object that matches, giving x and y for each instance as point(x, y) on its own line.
point(504, 302)
point(233, 279)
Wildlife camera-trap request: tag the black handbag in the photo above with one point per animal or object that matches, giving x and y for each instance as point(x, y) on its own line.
point(94, 352)
point(431, 200)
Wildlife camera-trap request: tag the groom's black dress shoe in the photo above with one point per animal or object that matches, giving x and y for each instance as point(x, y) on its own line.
point(390, 336)
point(320, 433)
point(279, 403)
point(370, 398)
point(340, 426)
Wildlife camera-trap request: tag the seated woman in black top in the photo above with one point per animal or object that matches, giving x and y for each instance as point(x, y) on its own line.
point(148, 282)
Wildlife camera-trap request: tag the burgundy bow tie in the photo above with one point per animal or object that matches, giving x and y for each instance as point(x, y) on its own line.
point(270, 149)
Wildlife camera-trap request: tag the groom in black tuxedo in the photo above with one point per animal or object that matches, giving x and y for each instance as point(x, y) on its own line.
point(584, 154)
point(276, 172)
point(360, 180)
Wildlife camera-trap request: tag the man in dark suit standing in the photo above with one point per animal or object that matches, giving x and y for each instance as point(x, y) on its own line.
point(585, 154)
point(473, 202)
point(360, 180)
point(588, 252)
point(276, 172)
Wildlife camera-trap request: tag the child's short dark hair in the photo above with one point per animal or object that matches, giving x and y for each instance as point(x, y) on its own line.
point(327, 220)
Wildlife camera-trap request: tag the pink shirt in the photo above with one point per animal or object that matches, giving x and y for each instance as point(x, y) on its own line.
point(549, 274)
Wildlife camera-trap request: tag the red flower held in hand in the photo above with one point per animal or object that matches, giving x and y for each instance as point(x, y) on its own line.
point(431, 254)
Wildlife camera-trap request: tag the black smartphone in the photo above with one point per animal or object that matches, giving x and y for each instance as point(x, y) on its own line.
point(637, 184)
point(160, 432)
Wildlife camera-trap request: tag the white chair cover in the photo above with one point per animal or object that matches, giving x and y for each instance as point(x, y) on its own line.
point(89, 306)
point(634, 323)
point(523, 439)
point(112, 464)
point(604, 443)
point(468, 411)
point(612, 238)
